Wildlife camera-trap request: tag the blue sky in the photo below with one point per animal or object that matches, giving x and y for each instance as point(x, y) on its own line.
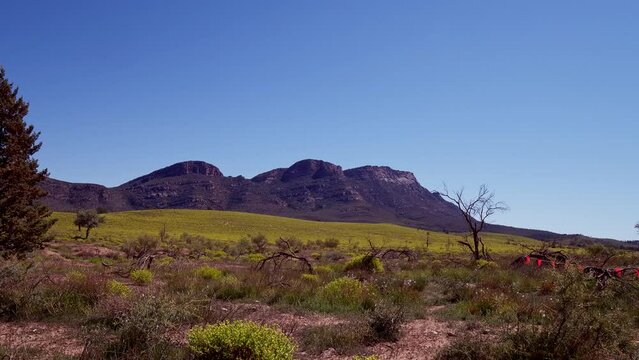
point(539, 100)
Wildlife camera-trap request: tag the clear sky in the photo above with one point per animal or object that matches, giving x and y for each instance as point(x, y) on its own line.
point(537, 99)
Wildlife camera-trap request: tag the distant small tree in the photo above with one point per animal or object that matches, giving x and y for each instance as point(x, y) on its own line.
point(88, 219)
point(476, 210)
point(24, 221)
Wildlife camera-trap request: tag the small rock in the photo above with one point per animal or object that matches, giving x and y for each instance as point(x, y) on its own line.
point(329, 352)
point(450, 334)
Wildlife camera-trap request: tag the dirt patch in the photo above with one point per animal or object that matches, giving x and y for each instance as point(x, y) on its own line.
point(422, 339)
point(91, 251)
point(52, 339)
point(55, 256)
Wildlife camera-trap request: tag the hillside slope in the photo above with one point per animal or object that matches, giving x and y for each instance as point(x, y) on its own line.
point(232, 226)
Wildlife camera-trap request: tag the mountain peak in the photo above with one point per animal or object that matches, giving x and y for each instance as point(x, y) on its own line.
point(314, 169)
point(382, 173)
point(182, 168)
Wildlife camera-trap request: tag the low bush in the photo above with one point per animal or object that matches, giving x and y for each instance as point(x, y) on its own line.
point(259, 242)
point(117, 288)
point(141, 329)
point(292, 244)
point(385, 321)
point(208, 273)
point(230, 288)
point(216, 254)
point(310, 278)
point(342, 294)
point(144, 244)
point(142, 276)
point(76, 276)
point(367, 262)
point(331, 243)
point(165, 261)
point(581, 323)
point(468, 348)
point(242, 247)
point(255, 257)
point(73, 297)
point(334, 256)
point(239, 340)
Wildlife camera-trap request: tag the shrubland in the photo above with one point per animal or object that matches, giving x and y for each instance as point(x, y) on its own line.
point(189, 296)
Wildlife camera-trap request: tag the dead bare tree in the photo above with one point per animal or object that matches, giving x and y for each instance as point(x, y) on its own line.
point(476, 211)
point(288, 253)
point(547, 256)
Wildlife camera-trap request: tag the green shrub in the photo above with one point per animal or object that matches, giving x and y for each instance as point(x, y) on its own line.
point(217, 254)
point(117, 288)
point(364, 357)
point(486, 264)
point(142, 328)
point(70, 298)
point(208, 273)
point(582, 322)
point(230, 288)
point(324, 269)
point(239, 340)
point(76, 276)
point(165, 261)
point(142, 276)
point(310, 278)
point(342, 294)
point(255, 257)
point(365, 263)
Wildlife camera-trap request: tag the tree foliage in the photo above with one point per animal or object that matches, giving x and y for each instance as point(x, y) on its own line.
point(24, 222)
point(87, 219)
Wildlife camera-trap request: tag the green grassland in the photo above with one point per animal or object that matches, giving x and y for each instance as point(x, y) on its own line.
point(232, 226)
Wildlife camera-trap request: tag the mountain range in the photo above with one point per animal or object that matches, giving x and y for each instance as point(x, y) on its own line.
point(308, 189)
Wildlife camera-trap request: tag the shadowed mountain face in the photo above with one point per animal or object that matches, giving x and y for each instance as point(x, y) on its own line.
point(309, 189)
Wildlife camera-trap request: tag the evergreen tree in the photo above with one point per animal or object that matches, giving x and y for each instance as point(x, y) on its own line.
point(23, 220)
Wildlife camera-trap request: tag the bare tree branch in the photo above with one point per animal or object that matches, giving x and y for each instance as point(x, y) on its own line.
point(475, 211)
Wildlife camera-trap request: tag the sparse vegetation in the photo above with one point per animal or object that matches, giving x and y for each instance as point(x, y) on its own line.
point(349, 302)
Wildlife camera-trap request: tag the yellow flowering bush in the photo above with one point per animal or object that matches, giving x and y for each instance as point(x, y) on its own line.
point(239, 340)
